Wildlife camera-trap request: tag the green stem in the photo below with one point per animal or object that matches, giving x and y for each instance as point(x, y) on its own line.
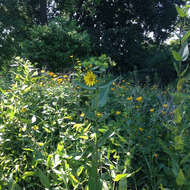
point(96, 136)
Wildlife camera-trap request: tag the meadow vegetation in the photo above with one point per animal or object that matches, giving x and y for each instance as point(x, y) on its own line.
point(69, 119)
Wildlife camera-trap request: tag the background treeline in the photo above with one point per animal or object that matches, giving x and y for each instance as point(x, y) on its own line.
point(48, 32)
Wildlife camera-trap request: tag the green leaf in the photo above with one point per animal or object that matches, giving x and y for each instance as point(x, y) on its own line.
point(103, 139)
point(27, 174)
point(79, 170)
point(126, 175)
point(122, 184)
point(84, 86)
point(181, 11)
point(176, 55)
point(184, 51)
point(103, 96)
point(177, 115)
point(179, 144)
point(180, 180)
point(43, 179)
point(121, 176)
point(185, 37)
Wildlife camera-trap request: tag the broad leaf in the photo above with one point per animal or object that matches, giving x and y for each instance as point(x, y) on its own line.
point(176, 55)
point(180, 180)
point(185, 37)
point(184, 51)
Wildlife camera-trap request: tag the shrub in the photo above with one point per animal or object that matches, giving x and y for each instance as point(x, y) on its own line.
point(52, 45)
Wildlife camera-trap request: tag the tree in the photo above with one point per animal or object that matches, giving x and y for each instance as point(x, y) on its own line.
point(119, 27)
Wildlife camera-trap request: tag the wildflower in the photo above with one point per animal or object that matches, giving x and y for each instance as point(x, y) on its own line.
point(23, 110)
point(165, 105)
point(51, 74)
point(71, 56)
point(140, 129)
point(42, 71)
point(163, 112)
point(137, 107)
point(112, 89)
point(98, 114)
point(65, 76)
point(41, 84)
point(35, 127)
point(117, 112)
point(59, 80)
point(130, 98)
point(82, 114)
point(123, 80)
point(139, 99)
point(128, 83)
point(156, 155)
point(152, 110)
point(90, 78)
point(54, 75)
point(78, 61)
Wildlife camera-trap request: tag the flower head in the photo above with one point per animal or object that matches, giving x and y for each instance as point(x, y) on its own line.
point(90, 78)
point(139, 99)
point(152, 110)
point(117, 112)
point(165, 105)
point(130, 98)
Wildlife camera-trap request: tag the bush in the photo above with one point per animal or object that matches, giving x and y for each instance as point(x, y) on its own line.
point(52, 45)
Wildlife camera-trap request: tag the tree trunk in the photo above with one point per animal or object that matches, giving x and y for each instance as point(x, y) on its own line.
point(43, 12)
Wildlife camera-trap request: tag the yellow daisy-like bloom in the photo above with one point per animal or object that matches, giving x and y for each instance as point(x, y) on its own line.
point(82, 114)
point(51, 74)
point(98, 114)
point(130, 98)
point(23, 110)
point(140, 129)
point(35, 127)
point(165, 105)
point(59, 81)
point(90, 78)
point(117, 112)
point(139, 99)
point(152, 110)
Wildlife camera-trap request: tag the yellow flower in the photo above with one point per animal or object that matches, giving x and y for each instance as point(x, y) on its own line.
point(165, 105)
point(51, 74)
point(130, 98)
point(98, 114)
point(35, 127)
point(71, 56)
point(140, 129)
point(90, 78)
point(137, 107)
point(42, 71)
point(163, 113)
point(23, 110)
point(59, 80)
point(82, 114)
point(65, 76)
point(156, 155)
point(139, 99)
point(117, 112)
point(112, 89)
point(54, 75)
point(152, 110)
